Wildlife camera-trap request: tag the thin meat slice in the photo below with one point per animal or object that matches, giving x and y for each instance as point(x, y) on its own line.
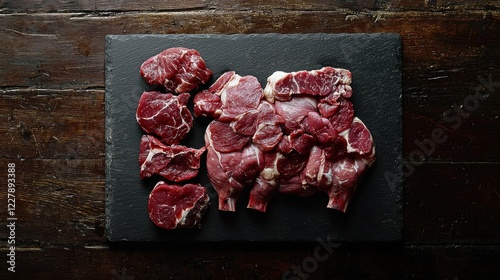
point(178, 69)
point(268, 131)
point(246, 123)
point(267, 136)
point(174, 206)
point(164, 115)
point(322, 82)
point(174, 162)
point(301, 141)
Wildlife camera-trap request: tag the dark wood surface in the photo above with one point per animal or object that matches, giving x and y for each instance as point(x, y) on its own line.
point(52, 128)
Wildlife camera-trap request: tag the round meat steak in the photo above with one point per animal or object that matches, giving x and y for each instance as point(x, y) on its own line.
point(165, 115)
point(175, 206)
point(177, 69)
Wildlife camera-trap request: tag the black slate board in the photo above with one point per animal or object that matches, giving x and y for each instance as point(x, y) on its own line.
point(375, 214)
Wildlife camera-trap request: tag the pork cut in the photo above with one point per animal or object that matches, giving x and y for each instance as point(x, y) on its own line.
point(175, 206)
point(173, 162)
point(165, 115)
point(178, 69)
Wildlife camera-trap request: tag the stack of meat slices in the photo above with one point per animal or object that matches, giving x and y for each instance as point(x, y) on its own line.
point(297, 136)
point(166, 120)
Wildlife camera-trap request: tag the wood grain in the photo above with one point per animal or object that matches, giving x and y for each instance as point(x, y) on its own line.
point(52, 124)
point(52, 112)
point(58, 201)
point(18, 6)
point(247, 262)
point(449, 203)
point(66, 50)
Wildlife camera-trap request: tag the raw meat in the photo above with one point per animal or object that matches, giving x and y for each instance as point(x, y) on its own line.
point(295, 110)
point(303, 138)
point(343, 116)
point(175, 206)
point(165, 115)
point(265, 184)
point(237, 95)
point(224, 138)
point(175, 162)
point(178, 69)
point(230, 170)
point(325, 81)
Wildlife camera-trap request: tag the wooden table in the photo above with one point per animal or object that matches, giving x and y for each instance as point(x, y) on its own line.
point(52, 130)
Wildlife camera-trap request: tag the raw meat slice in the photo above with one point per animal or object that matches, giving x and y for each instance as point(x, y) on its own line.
point(319, 127)
point(175, 162)
point(322, 82)
point(246, 123)
point(207, 104)
point(268, 131)
point(267, 136)
point(359, 138)
point(243, 166)
point(178, 69)
point(301, 141)
point(342, 118)
point(295, 110)
point(164, 115)
point(237, 95)
point(224, 138)
point(174, 206)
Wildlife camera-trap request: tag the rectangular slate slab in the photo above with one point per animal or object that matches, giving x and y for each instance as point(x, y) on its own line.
point(375, 213)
